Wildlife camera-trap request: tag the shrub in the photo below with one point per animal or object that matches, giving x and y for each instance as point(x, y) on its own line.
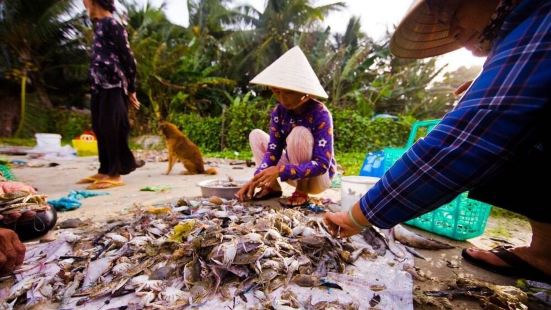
point(241, 119)
point(354, 133)
point(203, 131)
point(69, 123)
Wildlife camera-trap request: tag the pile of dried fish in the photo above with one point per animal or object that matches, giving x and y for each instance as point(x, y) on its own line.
point(20, 202)
point(187, 254)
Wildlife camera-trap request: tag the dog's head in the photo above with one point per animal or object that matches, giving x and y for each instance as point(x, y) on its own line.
point(169, 130)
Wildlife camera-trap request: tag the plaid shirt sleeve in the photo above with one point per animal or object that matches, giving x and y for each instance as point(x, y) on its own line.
point(492, 121)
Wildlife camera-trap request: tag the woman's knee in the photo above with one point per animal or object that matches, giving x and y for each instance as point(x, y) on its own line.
point(300, 136)
point(257, 135)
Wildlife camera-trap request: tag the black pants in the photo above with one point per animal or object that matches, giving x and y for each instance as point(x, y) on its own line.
point(111, 126)
point(521, 186)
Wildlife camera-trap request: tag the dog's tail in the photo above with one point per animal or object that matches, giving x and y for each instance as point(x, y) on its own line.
point(211, 171)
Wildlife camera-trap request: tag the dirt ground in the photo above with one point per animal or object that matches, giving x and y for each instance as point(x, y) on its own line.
point(439, 266)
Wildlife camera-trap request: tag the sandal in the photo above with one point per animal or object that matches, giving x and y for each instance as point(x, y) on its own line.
point(87, 180)
point(517, 267)
point(269, 194)
point(96, 185)
point(297, 199)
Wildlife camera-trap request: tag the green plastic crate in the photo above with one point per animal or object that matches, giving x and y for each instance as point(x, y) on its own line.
point(460, 219)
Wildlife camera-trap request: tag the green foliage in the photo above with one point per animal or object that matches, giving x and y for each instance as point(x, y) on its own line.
point(242, 155)
point(203, 131)
point(204, 69)
point(355, 133)
point(17, 141)
point(351, 162)
point(69, 124)
point(241, 118)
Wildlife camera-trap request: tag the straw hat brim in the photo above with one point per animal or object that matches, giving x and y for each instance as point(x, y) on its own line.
point(421, 35)
point(291, 71)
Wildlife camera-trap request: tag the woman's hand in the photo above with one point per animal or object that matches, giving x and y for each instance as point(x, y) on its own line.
point(340, 225)
point(134, 100)
point(12, 251)
point(246, 191)
point(267, 176)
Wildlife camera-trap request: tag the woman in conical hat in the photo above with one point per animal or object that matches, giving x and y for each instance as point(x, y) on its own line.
point(495, 144)
point(299, 146)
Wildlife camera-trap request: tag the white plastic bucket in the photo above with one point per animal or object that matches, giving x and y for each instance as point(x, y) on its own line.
point(353, 188)
point(48, 141)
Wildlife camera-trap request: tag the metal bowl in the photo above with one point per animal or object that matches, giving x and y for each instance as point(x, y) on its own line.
point(221, 188)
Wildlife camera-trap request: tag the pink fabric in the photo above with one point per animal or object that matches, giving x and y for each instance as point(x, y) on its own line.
point(10, 186)
point(300, 144)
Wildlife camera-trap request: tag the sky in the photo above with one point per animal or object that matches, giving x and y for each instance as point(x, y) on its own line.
point(376, 17)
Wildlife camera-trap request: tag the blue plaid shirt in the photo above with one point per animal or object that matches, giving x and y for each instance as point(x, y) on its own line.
point(493, 121)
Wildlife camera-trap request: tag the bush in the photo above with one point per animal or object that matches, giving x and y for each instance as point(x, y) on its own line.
point(241, 119)
point(203, 131)
point(354, 133)
point(69, 123)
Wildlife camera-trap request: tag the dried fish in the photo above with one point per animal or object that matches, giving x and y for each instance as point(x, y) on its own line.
point(412, 239)
point(158, 261)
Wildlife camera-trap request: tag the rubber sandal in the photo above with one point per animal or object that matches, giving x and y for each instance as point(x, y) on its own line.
point(269, 195)
point(109, 183)
point(290, 202)
point(87, 180)
point(517, 267)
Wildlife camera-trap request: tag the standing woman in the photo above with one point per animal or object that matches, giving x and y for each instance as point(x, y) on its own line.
point(113, 86)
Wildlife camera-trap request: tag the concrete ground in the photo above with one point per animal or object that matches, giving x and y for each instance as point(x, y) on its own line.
point(440, 266)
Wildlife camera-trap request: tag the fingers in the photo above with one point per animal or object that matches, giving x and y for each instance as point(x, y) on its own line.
point(463, 87)
point(251, 189)
point(241, 192)
point(247, 191)
point(27, 215)
point(3, 261)
point(10, 218)
point(329, 220)
point(336, 225)
point(19, 250)
point(10, 256)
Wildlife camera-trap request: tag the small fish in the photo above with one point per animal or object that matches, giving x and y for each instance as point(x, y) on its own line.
point(415, 253)
point(306, 280)
point(409, 238)
point(375, 240)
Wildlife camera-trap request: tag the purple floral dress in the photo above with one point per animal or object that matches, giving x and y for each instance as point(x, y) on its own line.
point(315, 117)
point(112, 64)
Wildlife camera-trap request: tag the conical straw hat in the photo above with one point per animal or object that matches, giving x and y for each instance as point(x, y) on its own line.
point(291, 71)
point(425, 30)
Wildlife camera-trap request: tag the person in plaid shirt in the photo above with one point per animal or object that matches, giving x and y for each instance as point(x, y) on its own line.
point(493, 144)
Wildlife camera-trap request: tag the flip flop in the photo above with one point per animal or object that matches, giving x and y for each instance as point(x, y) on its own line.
point(87, 180)
point(109, 183)
point(517, 266)
point(269, 195)
point(290, 202)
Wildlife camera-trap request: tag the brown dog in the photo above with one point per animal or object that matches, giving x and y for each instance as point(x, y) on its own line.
point(181, 148)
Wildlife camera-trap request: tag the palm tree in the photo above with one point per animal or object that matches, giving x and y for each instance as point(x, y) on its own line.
point(34, 34)
point(267, 35)
point(177, 69)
